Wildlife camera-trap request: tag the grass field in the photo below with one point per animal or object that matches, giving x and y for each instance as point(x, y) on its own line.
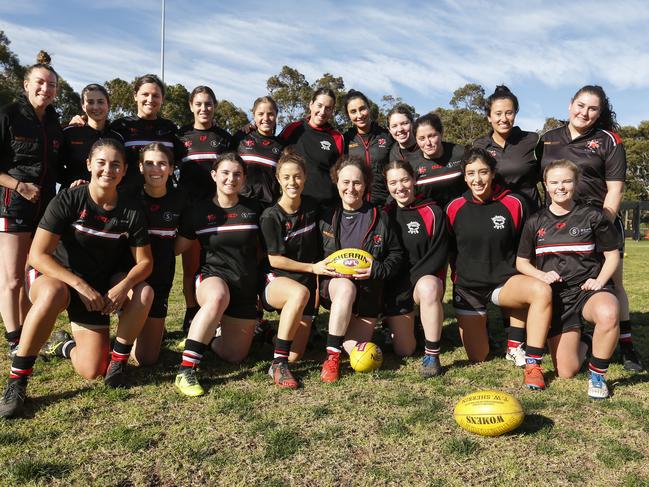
point(386, 428)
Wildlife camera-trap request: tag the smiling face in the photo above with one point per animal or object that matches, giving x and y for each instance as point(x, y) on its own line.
point(359, 114)
point(229, 178)
point(584, 111)
point(321, 110)
point(400, 127)
point(429, 141)
point(502, 116)
point(95, 105)
point(401, 186)
point(149, 101)
point(156, 168)
point(351, 187)
point(40, 88)
point(265, 118)
point(560, 184)
point(291, 179)
point(479, 178)
point(202, 106)
point(106, 166)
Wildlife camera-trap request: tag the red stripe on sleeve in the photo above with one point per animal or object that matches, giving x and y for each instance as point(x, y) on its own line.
point(515, 208)
point(289, 129)
point(428, 216)
point(453, 208)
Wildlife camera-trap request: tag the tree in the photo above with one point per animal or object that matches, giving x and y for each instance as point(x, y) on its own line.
point(11, 72)
point(388, 102)
point(67, 103)
point(636, 142)
point(122, 103)
point(552, 123)
point(291, 92)
point(466, 121)
point(229, 116)
point(176, 105)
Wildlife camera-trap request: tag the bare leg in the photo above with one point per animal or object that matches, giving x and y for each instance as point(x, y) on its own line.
point(14, 304)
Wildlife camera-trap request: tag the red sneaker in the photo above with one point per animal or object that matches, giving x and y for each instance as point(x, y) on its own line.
point(331, 368)
point(534, 377)
point(282, 376)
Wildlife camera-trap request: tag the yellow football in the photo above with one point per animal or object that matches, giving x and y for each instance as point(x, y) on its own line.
point(346, 261)
point(365, 357)
point(489, 413)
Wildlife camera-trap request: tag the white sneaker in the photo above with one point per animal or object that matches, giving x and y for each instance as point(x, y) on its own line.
point(516, 355)
point(597, 388)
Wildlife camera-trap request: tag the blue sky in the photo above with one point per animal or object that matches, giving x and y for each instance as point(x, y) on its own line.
point(419, 50)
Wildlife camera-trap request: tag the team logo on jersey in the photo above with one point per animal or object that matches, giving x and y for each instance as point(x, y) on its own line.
point(541, 232)
point(232, 215)
point(246, 214)
point(214, 143)
point(560, 225)
point(421, 170)
point(265, 142)
point(202, 138)
point(288, 226)
point(325, 145)
point(377, 239)
point(276, 150)
point(413, 228)
point(492, 152)
point(211, 217)
point(154, 207)
point(102, 218)
point(499, 222)
point(578, 232)
point(167, 216)
point(249, 142)
point(83, 214)
point(188, 143)
point(592, 145)
point(19, 221)
point(381, 142)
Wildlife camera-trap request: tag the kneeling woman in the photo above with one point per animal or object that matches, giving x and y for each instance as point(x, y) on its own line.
point(355, 301)
point(227, 227)
point(486, 223)
point(573, 247)
point(290, 231)
point(421, 227)
point(79, 243)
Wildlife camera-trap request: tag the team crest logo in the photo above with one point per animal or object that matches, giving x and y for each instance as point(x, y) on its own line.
point(265, 142)
point(214, 144)
point(211, 218)
point(499, 222)
point(492, 152)
point(592, 145)
point(381, 142)
point(541, 232)
point(167, 216)
point(84, 214)
point(325, 145)
point(288, 226)
point(188, 143)
point(203, 138)
point(276, 150)
point(560, 225)
point(413, 228)
point(377, 239)
point(421, 170)
point(249, 142)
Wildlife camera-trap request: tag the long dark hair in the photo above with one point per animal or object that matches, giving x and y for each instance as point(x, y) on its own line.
point(607, 119)
point(500, 93)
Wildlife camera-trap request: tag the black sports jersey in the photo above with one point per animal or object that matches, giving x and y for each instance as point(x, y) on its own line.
point(441, 179)
point(422, 230)
point(570, 244)
point(516, 162)
point(412, 154)
point(77, 141)
point(138, 132)
point(599, 153)
point(261, 154)
point(373, 148)
point(293, 236)
point(94, 241)
point(485, 238)
point(321, 148)
point(201, 148)
point(229, 239)
point(354, 225)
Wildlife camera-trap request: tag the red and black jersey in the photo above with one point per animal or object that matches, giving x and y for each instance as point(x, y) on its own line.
point(373, 148)
point(516, 162)
point(441, 179)
point(422, 231)
point(94, 241)
point(261, 154)
point(138, 132)
point(599, 153)
point(294, 236)
point(201, 148)
point(229, 239)
point(412, 154)
point(77, 141)
point(484, 238)
point(570, 244)
point(321, 148)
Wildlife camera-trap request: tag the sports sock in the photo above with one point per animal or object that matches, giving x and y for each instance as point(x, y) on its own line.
point(22, 367)
point(598, 365)
point(625, 339)
point(192, 355)
point(515, 337)
point(431, 348)
point(120, 352)
point(67, 347)
point(282, 349)
point(334, 343)
point(13, 337)
point(533, 355)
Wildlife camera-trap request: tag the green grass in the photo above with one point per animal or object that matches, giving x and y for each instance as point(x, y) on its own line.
point(386, 428)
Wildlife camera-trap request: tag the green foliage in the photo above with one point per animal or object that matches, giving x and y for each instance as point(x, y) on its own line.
point(67, 103)
point(636, 142)
point(292, 92)
point(176, 105)
point(466, 121)
point(552, 123)
point(11, 72)
point(229, 116)
point(122, 103)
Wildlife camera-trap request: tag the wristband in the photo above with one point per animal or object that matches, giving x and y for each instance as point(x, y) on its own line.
point(17, 184)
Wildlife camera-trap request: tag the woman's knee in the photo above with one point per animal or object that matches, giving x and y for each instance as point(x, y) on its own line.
point(143, 294)
point(541, 292)
point(567, 369)
point(404, 347)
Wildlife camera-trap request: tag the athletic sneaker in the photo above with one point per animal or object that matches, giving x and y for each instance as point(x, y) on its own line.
point(597, 388)
point(13, 350)
point(534, 377)
point(631, 361)
point(13, 398)
point(54, 346)
point(187, 383)
point(282, 375)
point(430, 366)
point(516, 355)
point(116, 373)
point(264, 332)
point(331, 368)
point(189, 316)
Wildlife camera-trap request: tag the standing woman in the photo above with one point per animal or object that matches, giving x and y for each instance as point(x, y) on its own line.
point(590, 141)
point(368, 141)
point(80, 242)
point(79, 138)
point(355, 301)
point(485, 224)
point(261, 149)
point(439, 173)
point(30, 140)
point(319, 143)
point(203, 143)
point(513, 148)
point(421, 228)
point(400, 125)
point(227, 227)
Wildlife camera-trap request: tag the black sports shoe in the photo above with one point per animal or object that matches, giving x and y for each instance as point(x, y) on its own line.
point(116, 374)
point(13, 350)
point(630, 360)
point(13, 398)
point(54, 346)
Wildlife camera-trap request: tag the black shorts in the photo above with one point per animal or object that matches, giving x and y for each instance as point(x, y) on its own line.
point(473, 302)
point(243, 305)
point(567, 309)
point(619, 226)
point(309, 309)
point(160, 301)
point(16, 225)
point(398, 296)
point(369, 297)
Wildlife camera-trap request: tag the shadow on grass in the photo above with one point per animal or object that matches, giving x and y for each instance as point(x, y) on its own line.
point(534, 423)
point(34, 404)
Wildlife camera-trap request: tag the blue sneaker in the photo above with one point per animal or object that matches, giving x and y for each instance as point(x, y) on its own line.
point(430, 366)
point(597, 388)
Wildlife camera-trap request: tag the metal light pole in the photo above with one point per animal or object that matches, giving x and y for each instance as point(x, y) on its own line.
point(162, 44)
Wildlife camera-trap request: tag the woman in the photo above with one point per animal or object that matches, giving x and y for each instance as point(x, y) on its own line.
point(590, 141)
point(421, 227)
point(203, 142)
point(79, 138)
point(261, 150)
point(293, 244)
point(512, 147)
point(30, 139)
point(573, 247)
point(319, 144)
point(227, 227)
point(400, 125)
point(485, 225)
point(439, 173)
point(355, 301)
point(146, 127)
point(368, 141)
point(80, 241)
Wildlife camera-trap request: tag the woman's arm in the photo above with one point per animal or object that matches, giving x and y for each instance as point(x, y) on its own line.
point(286, 264)
point(613, 198)
point(116, 295)
point(182, 244)
point(525, 266)
point(611, 261)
